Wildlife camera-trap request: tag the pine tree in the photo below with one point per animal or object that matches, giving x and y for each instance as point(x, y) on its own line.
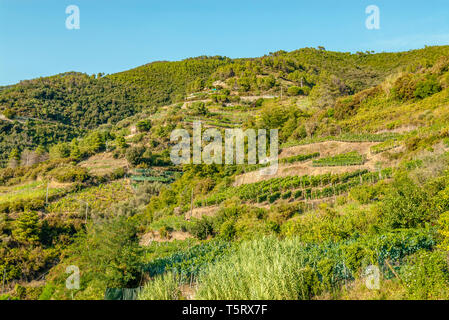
point(75, 152)
point(27, 227)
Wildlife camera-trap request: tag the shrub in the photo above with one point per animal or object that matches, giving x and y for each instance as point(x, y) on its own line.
point(427, 88)
point(262, 198)
point(405, 205)
point(199, 108)
point(412, 143)
point(9, 113)
point(164, 232)
point(134, 155)
point(443, 222)
point(363, 194)
point(259, 102)
point(404, 87)
point(348, 106)
point(298, 194)
point(273, 197)
point(227, 230)
point(108, 254)
point(60, 150)
point(121, 142)
point(294, 91)
point(47, 292)
point(69, 174)
point(117, 174)
point(94, 142)
point(203, 228)
point(143, 125)
point(426, 275)
point(287, 195)
point(273, 226)
point(27, 227)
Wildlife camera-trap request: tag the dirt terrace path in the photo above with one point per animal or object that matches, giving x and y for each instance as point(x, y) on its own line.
point(103, 163)
point(327, 148)
point(202, 211)
point(149, 237)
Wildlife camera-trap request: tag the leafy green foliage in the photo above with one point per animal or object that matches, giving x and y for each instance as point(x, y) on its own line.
point(202, 228)
point(314, 187)
point(384, 146)
point(346, 159)
point(270, 268)
point(426, 275)
point(73, 99)
point(189, 263)
point(300, 158)
point(27, 227)
point(406, 205)
point(427, 88)
point(143, 125)
point(314, 247)
point(166, 82)
point(109, 255)
point(444, 230)
point(199, 108)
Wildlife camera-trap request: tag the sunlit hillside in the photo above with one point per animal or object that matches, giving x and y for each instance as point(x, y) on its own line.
point(362, 180)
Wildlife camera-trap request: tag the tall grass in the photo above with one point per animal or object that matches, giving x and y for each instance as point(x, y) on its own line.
point(289, 269)
point(273, 269)
point(162, 287)
point(266, 269)
point(31, 190)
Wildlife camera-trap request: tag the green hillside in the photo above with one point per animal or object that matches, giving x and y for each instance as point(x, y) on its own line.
point(66, 104)
point(362, 181)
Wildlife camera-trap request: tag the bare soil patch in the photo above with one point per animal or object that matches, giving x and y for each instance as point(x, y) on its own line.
point(149, 237)
point(103, 163)
point(203, 211)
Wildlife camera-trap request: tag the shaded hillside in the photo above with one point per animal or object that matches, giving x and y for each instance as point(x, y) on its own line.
point(55, 109)
point(73, 99)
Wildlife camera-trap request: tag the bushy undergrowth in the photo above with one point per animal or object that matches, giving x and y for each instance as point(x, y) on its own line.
point(270, 268)
point(298, 237)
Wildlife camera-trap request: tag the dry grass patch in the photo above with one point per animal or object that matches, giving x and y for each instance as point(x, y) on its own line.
point(103, 163)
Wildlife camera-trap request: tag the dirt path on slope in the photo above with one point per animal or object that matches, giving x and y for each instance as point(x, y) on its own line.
point(202, 211)
point(103, 163)
point(149, 237)
point(326, 149)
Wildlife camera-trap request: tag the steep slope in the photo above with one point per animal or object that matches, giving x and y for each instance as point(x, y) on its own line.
point(167, 82)
point(62, 106)
point(362, 177)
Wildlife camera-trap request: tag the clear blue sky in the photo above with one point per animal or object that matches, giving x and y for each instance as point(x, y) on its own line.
point(116, 35)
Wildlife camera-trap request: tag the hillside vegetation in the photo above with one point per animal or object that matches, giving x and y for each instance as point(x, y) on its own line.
point(362, 183)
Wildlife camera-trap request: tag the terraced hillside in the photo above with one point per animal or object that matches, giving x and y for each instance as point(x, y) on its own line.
point(362, 179)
